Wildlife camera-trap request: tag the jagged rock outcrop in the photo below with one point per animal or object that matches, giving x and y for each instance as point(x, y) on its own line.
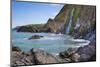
point(33, 57)
point(41, 57)
point(87, 52)
point(21, 58)
point(82, 54)
point(67, 53)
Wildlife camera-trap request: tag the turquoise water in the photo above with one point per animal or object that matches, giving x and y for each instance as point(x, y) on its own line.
point(52, 43)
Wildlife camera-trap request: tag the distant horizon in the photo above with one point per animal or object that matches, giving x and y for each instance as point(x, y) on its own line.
point(25, 13)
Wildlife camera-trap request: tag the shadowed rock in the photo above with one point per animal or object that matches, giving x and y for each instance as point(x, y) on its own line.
point(16, 49)
point(87, 52)
point(67, 53)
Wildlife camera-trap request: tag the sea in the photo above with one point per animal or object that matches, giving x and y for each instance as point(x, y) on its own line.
point(50, 42)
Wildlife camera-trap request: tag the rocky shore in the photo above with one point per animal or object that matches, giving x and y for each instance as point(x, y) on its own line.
point(33, 57)
point(38, 56)
point(83, 27)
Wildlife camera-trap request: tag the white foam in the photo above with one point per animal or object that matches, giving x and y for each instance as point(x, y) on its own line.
point(79, 40)
point(51, 38)
point(85, 42)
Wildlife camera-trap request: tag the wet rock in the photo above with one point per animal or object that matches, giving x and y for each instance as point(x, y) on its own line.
point(62, 60)
point(35, 37)
point(42, 57)
point(86, 53)
point(74, 57)
point(91, 36)
point(67, 53)
point(21, 58)
point(16, 49)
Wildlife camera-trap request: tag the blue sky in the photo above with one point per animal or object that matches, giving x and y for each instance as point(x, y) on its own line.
point(24, 13)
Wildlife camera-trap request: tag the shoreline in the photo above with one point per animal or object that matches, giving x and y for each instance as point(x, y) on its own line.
point(73, 55)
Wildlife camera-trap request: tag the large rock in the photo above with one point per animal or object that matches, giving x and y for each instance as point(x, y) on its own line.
point(86, 53)
point(16, 49)
point(42, 57)
point(82, 54)
point(35, 37)
point(21, 58)
point(67, 53)
point(35, 56)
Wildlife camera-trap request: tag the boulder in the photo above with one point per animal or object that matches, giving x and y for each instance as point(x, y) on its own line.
point(16, 49)
point(86, 53)
point(21, 58)
point(35, 37)
point(67, 53)
point(74, 57)
point(42, 57)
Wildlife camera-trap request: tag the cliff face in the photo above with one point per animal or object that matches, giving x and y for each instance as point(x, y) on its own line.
point(83, 21)
point(57, 24)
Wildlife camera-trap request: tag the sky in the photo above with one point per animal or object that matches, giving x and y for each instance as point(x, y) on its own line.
point(24, 13)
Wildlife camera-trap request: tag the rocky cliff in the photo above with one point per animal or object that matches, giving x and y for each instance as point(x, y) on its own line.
point(81, 22)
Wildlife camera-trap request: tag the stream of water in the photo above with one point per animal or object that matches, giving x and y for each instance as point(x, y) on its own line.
point(70, 22)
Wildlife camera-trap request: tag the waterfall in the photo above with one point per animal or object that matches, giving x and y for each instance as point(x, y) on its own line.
point(70, 22)
point(77, 24)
